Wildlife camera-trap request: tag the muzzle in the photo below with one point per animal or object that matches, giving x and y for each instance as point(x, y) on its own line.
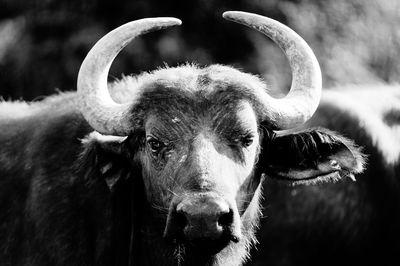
point(203, 220)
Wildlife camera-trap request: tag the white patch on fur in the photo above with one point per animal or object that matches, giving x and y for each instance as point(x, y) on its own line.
point(97, 137)
point(176, 120)
point(369, 105)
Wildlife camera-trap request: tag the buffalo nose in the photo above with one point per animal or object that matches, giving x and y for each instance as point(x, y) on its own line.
point(204, 217)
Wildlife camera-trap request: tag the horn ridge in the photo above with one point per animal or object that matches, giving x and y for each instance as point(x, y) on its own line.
point(305, 92)
point(95, 102)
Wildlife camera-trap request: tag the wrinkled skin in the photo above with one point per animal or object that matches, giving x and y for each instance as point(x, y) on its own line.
point(187, 163)
point(179, 163)
point(182, 189)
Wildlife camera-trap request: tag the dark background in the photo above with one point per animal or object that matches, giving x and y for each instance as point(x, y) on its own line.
point(43, 42)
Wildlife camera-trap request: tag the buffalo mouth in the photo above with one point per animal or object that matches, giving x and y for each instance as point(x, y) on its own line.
point(206, 247)
point(203, 224)
point(198, 246)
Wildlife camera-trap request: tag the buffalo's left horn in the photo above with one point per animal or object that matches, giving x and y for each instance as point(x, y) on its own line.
point(305, 93)
point(96, 105)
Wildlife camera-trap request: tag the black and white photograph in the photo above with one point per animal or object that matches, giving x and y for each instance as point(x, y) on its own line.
point(199, 133)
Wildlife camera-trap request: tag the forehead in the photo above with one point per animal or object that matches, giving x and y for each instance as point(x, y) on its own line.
point(188, 114)
point(187, 83)
point(189, 92)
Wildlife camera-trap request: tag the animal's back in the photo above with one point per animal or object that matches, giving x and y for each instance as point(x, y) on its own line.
point(39, 143)
point(346, 223)
point(371, 111)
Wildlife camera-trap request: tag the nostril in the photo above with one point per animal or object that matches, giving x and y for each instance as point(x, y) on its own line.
point(226, 219)
point(180, 219)
point(176, 222)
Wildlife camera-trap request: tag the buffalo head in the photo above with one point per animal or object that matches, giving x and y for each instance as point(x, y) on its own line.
point(203, 139)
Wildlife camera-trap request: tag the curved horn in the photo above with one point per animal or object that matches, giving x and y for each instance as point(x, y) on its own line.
point(96, 105)
point(305, 92)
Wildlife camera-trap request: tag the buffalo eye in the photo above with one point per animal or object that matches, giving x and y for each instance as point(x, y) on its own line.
point(247, 140)
point(155, 145)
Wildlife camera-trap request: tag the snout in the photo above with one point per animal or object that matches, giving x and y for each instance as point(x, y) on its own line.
point(204, 219)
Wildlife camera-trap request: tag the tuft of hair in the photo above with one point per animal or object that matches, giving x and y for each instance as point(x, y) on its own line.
point(329, 178)
point(309, 148)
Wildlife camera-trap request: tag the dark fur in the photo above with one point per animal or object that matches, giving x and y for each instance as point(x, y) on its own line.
point(57, 205)
point(65, 202)
point(342, 223)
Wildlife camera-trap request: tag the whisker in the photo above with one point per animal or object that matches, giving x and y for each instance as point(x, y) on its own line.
point(243, 200)
point(160, 208)
point(179, 253)
point(172, 192)
point(242, 193)
point(173, 180)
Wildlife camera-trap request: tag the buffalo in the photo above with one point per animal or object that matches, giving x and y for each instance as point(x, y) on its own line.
point(163, 168)
point(346, 222)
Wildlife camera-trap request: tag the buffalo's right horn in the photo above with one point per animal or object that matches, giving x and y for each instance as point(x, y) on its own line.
point(96, 105)
point(305, 93)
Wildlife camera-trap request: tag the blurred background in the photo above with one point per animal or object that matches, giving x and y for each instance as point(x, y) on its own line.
point(42, 43)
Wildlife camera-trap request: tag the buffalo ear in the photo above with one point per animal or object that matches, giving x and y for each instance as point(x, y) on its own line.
point(311, 155)
point(104, 157)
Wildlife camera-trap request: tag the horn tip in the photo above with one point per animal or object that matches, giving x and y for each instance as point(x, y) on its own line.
point(168, 21)
point(175, 21)
point(228, 14)
point(232, 15)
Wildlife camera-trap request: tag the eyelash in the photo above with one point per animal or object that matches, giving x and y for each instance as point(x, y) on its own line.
point(247, 140)
point(155, 145)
